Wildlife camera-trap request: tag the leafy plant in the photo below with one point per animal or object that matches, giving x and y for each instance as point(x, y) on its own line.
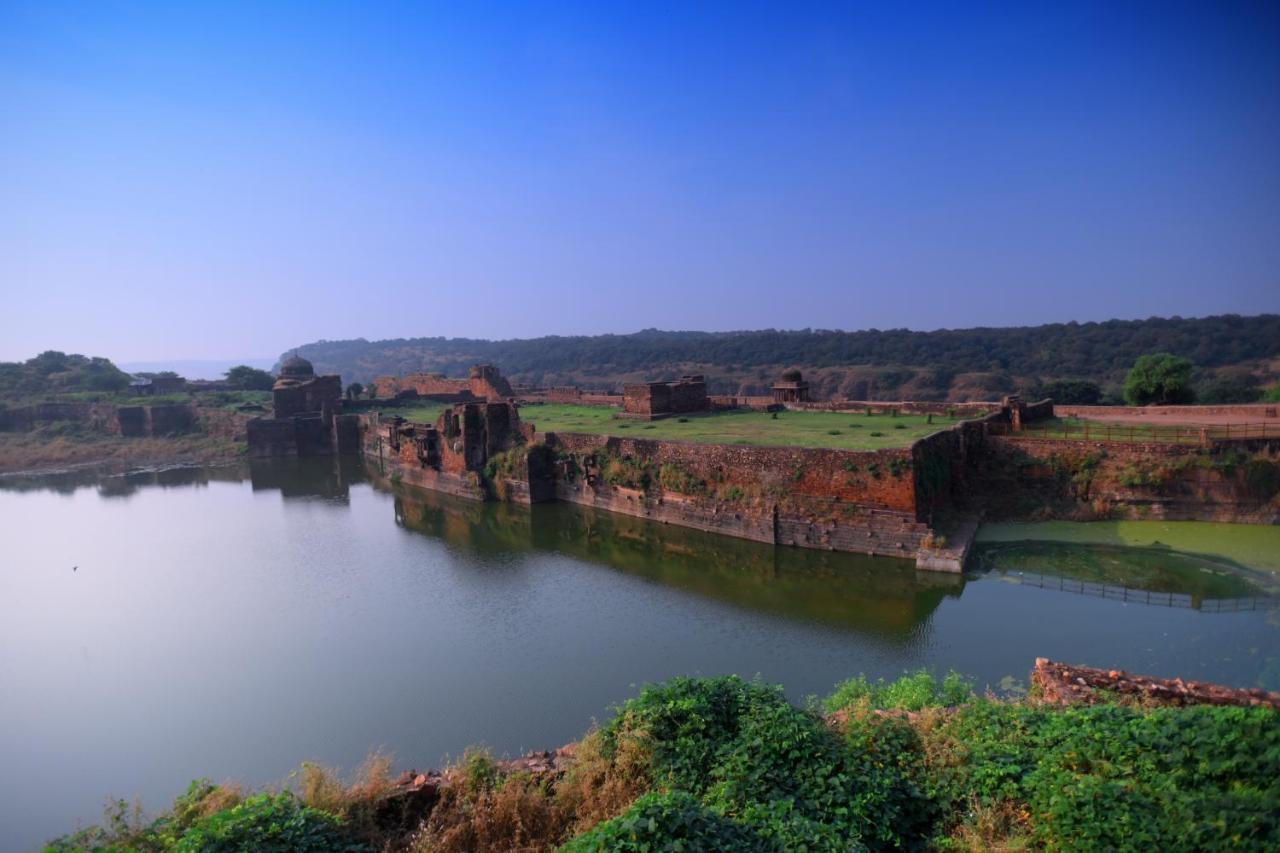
point(912, 692)
point(268, 822)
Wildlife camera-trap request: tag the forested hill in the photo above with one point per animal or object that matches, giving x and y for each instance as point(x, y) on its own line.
point(952, 363)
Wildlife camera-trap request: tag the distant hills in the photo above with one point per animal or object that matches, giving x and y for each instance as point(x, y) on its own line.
point(1229, 351)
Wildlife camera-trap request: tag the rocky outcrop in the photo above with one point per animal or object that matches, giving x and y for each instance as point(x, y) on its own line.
point(1063, 684)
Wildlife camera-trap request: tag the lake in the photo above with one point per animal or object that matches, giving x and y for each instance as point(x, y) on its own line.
point(233, 622)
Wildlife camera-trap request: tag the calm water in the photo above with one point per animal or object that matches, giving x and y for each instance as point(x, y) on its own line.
point(232, 623)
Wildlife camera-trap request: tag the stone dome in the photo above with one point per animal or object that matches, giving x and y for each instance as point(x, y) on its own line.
point(296, 367)
point(791, 374)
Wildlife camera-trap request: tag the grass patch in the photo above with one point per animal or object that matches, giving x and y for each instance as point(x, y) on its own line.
point(788, 429)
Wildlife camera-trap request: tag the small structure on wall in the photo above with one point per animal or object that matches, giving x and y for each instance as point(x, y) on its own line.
point(652, 400)
point(307, 415)
point(791, 387)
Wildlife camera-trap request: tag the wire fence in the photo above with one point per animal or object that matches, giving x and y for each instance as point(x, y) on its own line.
point(1081, 430)
point(1143, 596)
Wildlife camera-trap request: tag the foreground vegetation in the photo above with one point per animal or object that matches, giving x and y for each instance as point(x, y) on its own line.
point(843, 430)
point(726, 764)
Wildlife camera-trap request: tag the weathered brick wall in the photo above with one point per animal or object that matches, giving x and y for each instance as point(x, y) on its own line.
point(646, 398)
point(223, 423)
point(809, 497)
point(880, 478)
point(960, 410)
point(269, 437)
point(485, 385)
point(169, 420)
point(131, 421)
point(1030, 478)
point(1253, 411)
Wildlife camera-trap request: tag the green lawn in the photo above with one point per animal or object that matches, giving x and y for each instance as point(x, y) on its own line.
point(845, 431)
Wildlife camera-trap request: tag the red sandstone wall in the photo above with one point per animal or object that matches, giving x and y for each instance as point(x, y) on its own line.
point(961, 410)
point(1253, 411)
point(437, 385)
point(863, 477)
point(1031, 478)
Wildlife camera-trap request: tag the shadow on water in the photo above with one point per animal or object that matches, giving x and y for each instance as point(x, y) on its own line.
point(1157, 576)
point(877, 595)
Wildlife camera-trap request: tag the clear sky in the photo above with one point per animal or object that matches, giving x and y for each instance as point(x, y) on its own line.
point(231, 179)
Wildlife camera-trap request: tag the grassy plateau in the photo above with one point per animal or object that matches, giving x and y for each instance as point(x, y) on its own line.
point(840, 430)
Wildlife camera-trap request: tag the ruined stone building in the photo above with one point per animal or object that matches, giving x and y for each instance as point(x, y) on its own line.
point(652, 400)
point(307, 417)
point(484, 382)
point(791, 387)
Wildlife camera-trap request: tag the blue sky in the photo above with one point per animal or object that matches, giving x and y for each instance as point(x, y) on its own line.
point(181, 180)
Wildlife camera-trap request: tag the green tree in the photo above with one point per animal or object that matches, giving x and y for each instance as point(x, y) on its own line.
point(248, 378)
point(354, 391)
point(1159, 379)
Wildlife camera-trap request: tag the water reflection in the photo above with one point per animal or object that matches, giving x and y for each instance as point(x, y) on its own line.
point(110, 483)
point(1156, 576)
point(878, 595)
point(330, 477)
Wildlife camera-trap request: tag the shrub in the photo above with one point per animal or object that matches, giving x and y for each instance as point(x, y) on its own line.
point(1112, 777)
point(912, 692)
point(876, 434)
point(675, 478)
point(669, 821)
point(741, 750)
point(268, 822)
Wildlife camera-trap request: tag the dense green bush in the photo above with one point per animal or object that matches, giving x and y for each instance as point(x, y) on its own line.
point(670, 821)
point(1107, 777)
point(749, 755)
point(268, 823)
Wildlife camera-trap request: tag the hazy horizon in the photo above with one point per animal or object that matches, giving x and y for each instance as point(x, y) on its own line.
point(186, 181)
point(214, 367)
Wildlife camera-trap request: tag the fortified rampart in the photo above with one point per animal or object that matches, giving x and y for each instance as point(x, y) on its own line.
point(1020, 478)
point(860, 501)
point(1245, 411)
point(888, 502)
